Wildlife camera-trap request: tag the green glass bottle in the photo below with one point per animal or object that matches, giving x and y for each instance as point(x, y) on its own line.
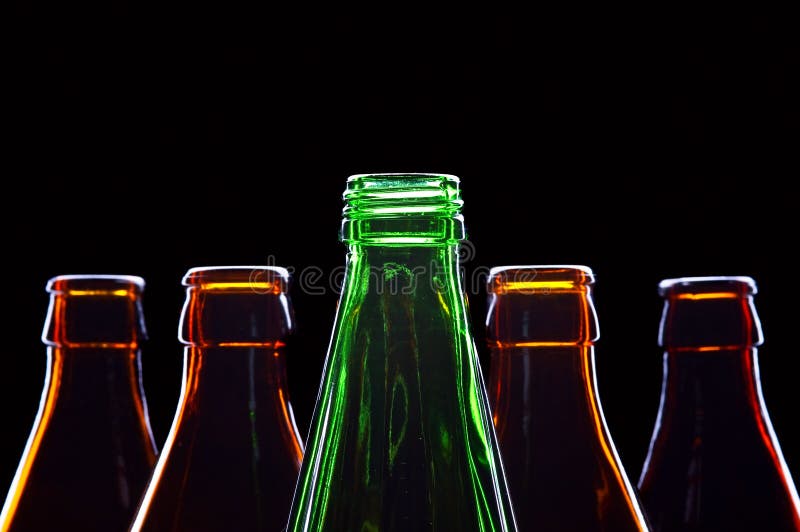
point(402, 437)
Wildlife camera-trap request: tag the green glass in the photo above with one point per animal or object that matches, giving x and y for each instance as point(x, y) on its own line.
point(402, 437)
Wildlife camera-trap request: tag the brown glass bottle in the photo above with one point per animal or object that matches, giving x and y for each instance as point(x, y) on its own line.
point(90, 452)
point(562, 469)
point(231, 459)
point(714, 461)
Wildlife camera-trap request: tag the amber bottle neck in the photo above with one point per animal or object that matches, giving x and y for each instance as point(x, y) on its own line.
point(725, 378)
point(234, 335)
point(707, 322)
point(79, 320)
point(99, 375)
point(538, 330)
point(239, 318)
point(543, 319)
point(235, 366)
point(574, 365)
point(93, 336)
point(710, 340)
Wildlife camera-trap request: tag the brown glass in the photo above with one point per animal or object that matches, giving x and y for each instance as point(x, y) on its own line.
point(91, 451)
point(232, 457)
point(714, 460)
point(562, 469)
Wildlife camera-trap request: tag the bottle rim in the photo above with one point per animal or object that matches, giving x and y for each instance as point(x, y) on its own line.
point(381, 195)
point(708, 287)
point(389, 176)
point(95, 285)
point(402, 209)
point(257, 279)
point(544, 278)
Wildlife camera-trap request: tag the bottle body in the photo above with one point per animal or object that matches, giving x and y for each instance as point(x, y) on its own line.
point(91, 451)
point(401, 437)
point(562, 468)
point(714, 462)
point(233, 452)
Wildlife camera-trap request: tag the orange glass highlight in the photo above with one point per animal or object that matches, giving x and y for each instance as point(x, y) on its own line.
point(231, 459)
point(710, 295)
point(91, 452)
point(559, 459)
point(714, 461)
point(117, 293)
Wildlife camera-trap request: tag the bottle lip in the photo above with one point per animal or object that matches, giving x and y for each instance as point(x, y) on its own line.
point(708, 287)
point(387, 195)
point(401, 179)
point(402, 209)
point(256, 279)
point(95, 285)
point(539, 278)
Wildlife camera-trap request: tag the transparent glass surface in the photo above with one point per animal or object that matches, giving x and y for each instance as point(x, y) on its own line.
point(402, 437)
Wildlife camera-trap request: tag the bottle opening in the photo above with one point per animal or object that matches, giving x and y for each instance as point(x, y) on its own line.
point(715, 287)
point(236, 306)
point(95, 312)
point(541, 306)
point(402, 209)
point(96, 285)
point(542, 279)
point(708, 314)
point(256, 279)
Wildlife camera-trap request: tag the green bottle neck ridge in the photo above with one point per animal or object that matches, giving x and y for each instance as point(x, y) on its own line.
point(402, 210)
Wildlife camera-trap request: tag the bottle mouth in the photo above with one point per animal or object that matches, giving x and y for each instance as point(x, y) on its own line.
point(255, 279)
point(532, 279)
point(713, 287)
point(96, 285)
point(709, 314)
point(404, 208)
point(95, 312)
point(236, 307)
point(547, 306)
point(392, 193)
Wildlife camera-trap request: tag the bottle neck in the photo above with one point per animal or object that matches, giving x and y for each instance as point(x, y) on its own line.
point(710, 344)
point(723, 380)
point(221, 384)
point(242, 316)
point(563, 375)
point(540, 316)
point(233, 329)
point(402, 387)
point(397, 295)
point(93, 337)
point(406, 270)
point(537, 328)
point(79, 368)
point(709, 322)
point(224, 370)
point(88, 389)
point(94, 321)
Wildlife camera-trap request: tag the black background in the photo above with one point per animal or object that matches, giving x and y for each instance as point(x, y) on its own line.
point(645, 146)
